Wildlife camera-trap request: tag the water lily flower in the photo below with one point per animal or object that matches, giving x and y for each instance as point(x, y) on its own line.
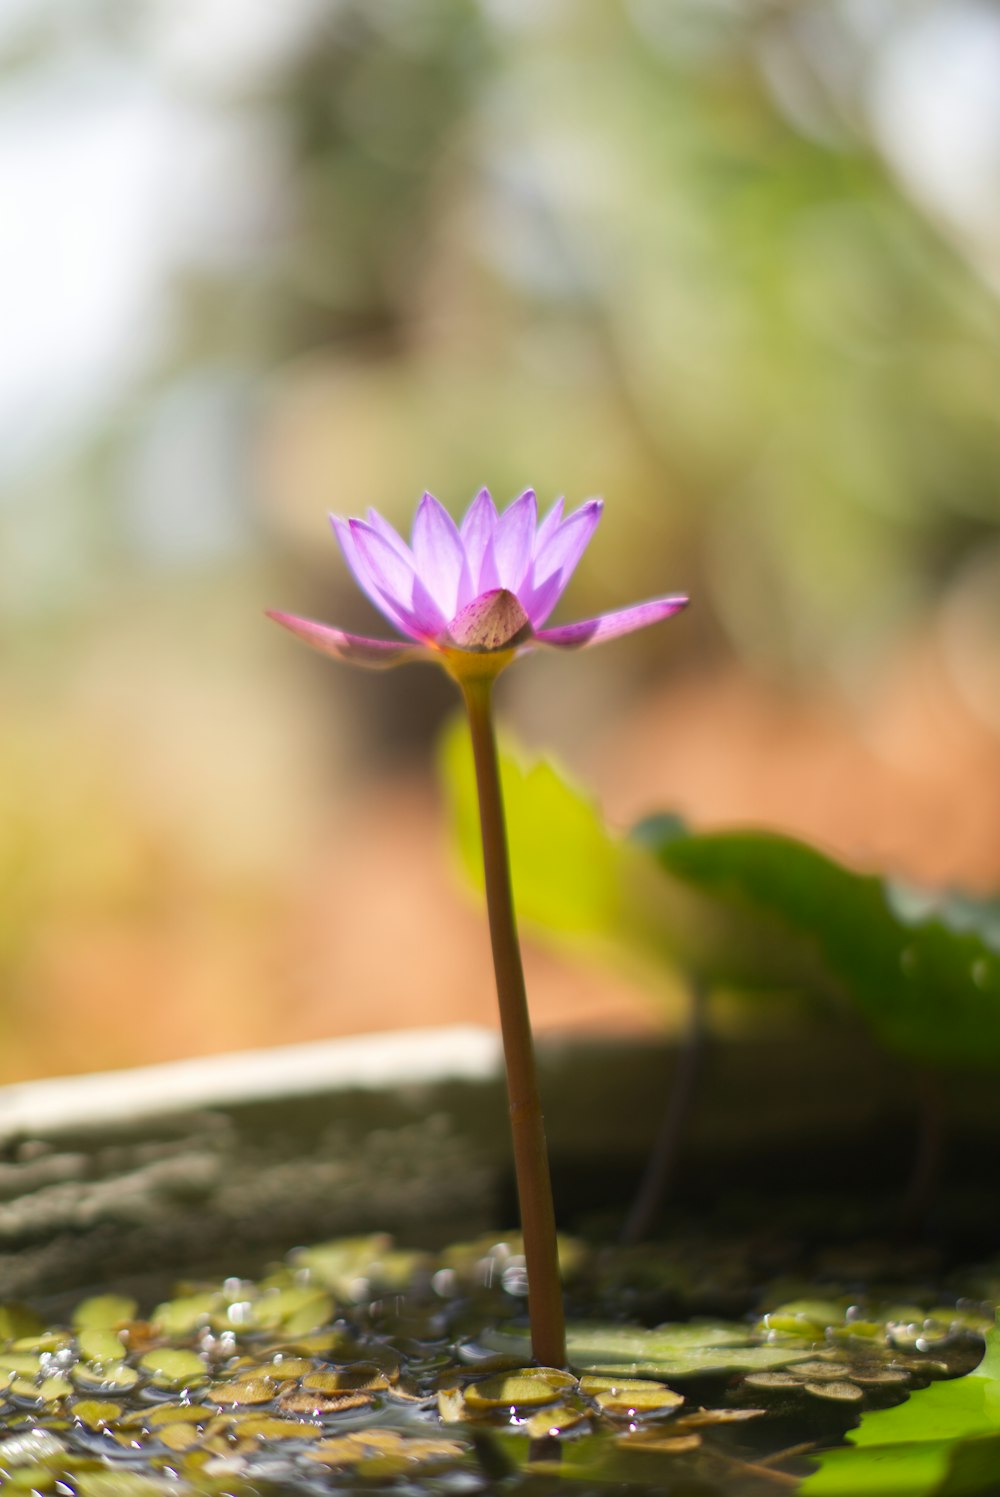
point(472, 597)
point(484, 588)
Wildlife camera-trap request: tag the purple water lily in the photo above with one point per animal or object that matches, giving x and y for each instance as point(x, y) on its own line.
point(472, 597)
point(485, 586)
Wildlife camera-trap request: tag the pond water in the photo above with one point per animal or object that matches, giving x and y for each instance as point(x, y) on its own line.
point(360, 1365)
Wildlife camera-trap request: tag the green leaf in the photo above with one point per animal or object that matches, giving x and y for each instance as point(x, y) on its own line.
point(566, 868)
point(668, 1351)
point(748, 910)
point(104, 1312)
point(17, 1320)
point(763, 909)
point(943, 1442)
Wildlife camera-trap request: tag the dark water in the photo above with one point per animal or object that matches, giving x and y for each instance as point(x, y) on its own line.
point(360, 1366)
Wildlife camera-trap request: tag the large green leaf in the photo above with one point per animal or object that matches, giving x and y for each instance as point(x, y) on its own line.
point(692, 1349)
point(761, 908)
point(748, 910)
point(943, 1442)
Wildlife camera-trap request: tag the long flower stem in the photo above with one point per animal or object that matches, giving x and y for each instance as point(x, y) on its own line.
point(531, 1163)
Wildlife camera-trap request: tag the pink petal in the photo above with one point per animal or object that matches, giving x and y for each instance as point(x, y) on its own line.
point(388, 533)
point(362, 573)
point(610, 625)
point(373, 654)
point(514, 538)
point(549, 525)
point(476, 532)
point(438, 554)
point(564, 547)
point(393, 576)
point(556, 560)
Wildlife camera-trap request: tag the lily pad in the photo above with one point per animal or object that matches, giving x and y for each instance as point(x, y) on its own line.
point(252, 1390)
point(511, 1390)
point(358, 1377)
point(181, 1316)
point(95, 1414)
point(944, 1440)
point(667, 1352)
point(170, 1367)
point(18, 1320)
point(104, 1312)
point(99, 1344)
point(630, 1404)
point(106, 1377)
point(297, 1311)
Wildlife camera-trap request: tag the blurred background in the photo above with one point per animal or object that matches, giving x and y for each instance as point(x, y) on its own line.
point(733, 264)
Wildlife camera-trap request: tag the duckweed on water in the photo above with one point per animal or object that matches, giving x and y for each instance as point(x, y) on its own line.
point(356, 1363)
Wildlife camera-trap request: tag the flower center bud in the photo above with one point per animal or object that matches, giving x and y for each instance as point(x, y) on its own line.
point(493, 621)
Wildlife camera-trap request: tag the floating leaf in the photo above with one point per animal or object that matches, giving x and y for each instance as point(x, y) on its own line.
point(107, 1377)
point(51, 1389)
point(384, 1452)
point(252, 1390)
point(98, 1344)
point(557, 1419)
point(653, 1399)
point(944, 1440)
point(312, 1401)
point(104, 1312)
point(669, 1351)
point(656, 1442)
point(17, 1320)
point(356, 1377)
point(122, 1484)
point(19, 1364)
point(95, 1414)
point(273, 1427)
point(511, 1390)
point(834, 1392)
point(178, 1437)
point(170, 1367)
point(179, 1317)
point(174, 1413)
point(287, 1369)
point(294, 1310)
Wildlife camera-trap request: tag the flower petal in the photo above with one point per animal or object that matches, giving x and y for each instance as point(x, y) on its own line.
point(364, 578)
point(438, 554)
point(514, 538)
point(373, 654)
point(556, 560)
point(610, 625)
point(476, 531)
point(389, 533)
point(549, 525)
point(393, 576)
point(563, 548)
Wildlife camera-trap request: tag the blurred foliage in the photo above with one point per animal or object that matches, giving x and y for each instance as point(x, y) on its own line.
point(478, 231)
point(788, 376)
point(270, 260)
point(748, 912)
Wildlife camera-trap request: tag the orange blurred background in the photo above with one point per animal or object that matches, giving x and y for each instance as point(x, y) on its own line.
point(735, 266)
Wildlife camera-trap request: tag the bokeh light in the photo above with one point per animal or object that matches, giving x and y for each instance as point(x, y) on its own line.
point(734, 264)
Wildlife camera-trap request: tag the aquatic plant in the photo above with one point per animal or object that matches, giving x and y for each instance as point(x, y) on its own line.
point(471, 598)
